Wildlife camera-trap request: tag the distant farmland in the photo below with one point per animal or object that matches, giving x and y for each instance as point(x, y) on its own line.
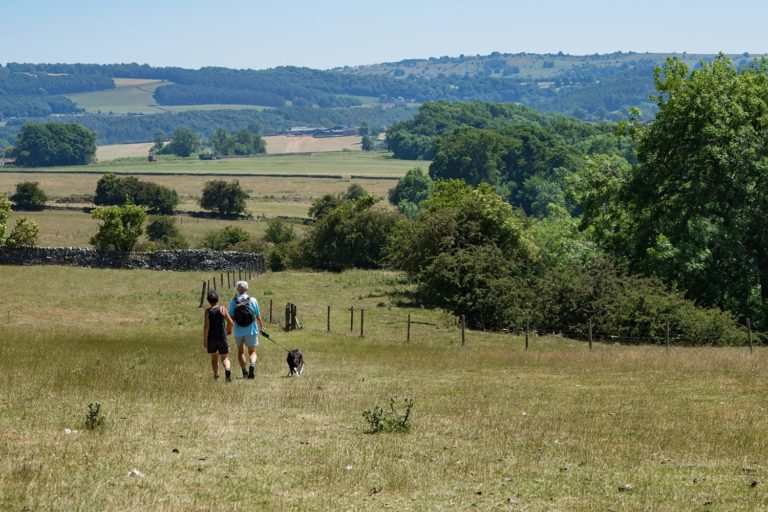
point(111, 152)
point(135, 96)
point(276, 145)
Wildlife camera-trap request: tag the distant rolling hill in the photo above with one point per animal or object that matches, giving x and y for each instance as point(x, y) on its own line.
point(591, 87)
point(136, 96)
point(110, 98)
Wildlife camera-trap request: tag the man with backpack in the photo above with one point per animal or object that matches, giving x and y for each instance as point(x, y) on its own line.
point(244, 309)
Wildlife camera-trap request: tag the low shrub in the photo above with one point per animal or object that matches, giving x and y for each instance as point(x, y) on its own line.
point(23, 234)
point(164, 234)
point(29, 196)
point(279, 232)
point(396, 419)
point(225, 239)
point(94, 417)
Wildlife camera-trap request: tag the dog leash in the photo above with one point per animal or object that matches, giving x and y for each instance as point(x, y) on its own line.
point(266, 335)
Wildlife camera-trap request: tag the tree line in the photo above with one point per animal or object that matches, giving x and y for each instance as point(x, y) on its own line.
point(111, 129)
point(648, 223)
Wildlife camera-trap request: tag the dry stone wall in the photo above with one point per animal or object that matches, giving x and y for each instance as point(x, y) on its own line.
point(187, 259)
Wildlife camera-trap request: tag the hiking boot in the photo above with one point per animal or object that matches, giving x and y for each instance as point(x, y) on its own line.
point(245, 373)
point(228, 376)
point(252, 372)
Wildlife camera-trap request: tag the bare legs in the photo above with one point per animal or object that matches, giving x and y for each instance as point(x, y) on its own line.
point(215, 363)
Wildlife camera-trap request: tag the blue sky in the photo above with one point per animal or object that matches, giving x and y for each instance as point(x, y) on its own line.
point(327, 33)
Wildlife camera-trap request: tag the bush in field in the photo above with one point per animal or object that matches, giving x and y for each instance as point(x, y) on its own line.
point(24, 234)
point(277, 261)
point(279, 232)
point(120, 229)
point(183, 143)
point(395, 419)
point(354, 234)
point(456, 217)
point(412, 189)
point(355, 192)
point(226, 239)
point(244, 142)
point(29, 196)
point(323, 205)
point(157, 198)
point(479, 282)
point(112, 190)
point(5, 212)
point(165, 234)
point(223, 197)
point(624, 305)
point(94, 417)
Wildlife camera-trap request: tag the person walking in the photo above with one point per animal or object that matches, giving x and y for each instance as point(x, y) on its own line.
point(244, 309)
point(217, 323)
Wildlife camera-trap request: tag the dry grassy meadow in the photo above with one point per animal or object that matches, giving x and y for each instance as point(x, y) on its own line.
point(285, 192)
point(494, 427)
point(332, 163)
point(75, 229)
point(276, 145)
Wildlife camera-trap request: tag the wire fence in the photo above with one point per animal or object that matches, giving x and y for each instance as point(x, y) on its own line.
point(288, 317)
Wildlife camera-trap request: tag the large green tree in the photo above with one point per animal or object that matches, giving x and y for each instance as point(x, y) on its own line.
point(40, 145)
point(183, 143)
point(227, 198)
point(700, 194)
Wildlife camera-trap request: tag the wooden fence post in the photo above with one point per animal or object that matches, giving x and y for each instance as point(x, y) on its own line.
point(526, 335)
point(294, 313)
point(408, 330)
point(270, 311)
point(590, 334)
point(221, 279)
point(667, 336)
point(288, 317)
point(214, 283)
point(463, 326)
point(749, 333)
point(229, 281)
point(202, 296)
point(328, 320)
point(209, 285)
point(362, 322)
point(351, 318)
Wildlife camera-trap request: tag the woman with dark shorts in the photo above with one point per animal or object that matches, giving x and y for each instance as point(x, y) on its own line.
point(216, 325)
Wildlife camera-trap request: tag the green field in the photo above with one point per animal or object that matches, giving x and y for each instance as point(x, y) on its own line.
point(75, 229)
point(72, 188)
point(136, 97)
point(341, 163)
point(288, 192)
point(494, 427)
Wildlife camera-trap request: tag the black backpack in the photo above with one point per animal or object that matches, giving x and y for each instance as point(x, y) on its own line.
point(243, 313)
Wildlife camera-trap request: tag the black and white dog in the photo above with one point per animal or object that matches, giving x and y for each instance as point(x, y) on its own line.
point(295, 362)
